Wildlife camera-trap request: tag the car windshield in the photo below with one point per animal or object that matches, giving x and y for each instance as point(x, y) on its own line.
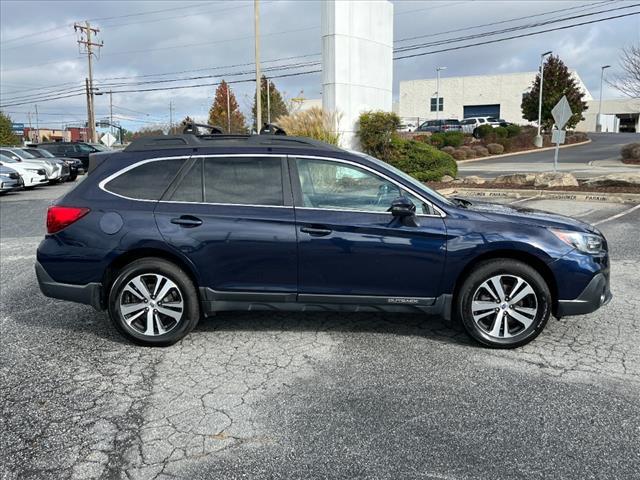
point(41, 153)
point(419, 186)
point(25, 154)
point(5, 159)
point(99, 147)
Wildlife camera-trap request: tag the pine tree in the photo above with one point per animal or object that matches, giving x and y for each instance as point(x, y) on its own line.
point(7, 137)
point(277, 104)
point(218, 114)
point(558, 81)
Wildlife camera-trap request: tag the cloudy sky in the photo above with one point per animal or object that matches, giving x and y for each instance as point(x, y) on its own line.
point(154, 45)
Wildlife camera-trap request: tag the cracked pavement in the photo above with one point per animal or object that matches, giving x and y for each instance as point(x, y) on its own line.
point(322, 395)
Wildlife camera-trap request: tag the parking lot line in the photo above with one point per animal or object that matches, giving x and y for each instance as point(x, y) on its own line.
point(618, 215)
point(523, 199)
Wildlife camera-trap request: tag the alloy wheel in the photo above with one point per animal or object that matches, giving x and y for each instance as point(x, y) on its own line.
point(151, 304)
point(504, 306)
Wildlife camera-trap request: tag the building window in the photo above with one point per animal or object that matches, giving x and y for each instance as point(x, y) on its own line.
point(435, 104)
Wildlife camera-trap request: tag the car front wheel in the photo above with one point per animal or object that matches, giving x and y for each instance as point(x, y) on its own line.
point(504, 303)
point(153, 302)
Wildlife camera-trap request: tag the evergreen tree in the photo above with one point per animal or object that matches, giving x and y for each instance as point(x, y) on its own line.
point(7, 137)
point(276, 102)
point(558, 81)
point(218, 113)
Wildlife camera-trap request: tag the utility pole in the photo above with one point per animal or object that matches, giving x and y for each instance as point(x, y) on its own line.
point(438, 70)
point(89, 111)
point(37, 126)
point(111, 112)
point(170, 117)
point(228, 110)
point(256, 11)
point(88, 45)
point(538, 140)
point(268, 102)
point(599, 118)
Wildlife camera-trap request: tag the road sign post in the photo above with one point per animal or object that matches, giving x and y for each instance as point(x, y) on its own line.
point(561, 114)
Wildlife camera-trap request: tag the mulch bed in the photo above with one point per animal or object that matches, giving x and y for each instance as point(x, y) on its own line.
point(631, 161)
point(500, 186)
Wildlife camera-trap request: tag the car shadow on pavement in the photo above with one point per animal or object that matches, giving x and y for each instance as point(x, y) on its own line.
point(417, 325)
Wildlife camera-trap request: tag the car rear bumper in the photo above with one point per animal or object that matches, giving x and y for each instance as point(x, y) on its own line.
point(594, 295)
point(88, 294)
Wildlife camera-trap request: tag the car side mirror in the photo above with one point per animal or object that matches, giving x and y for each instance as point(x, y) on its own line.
point(404, 210)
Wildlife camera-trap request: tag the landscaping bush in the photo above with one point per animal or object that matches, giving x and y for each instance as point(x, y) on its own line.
point(480, 150)
point(459, 154)
point(376, 132)
point(447, 139)
point(500, 132)
point(378, 137)
point(495, 148)
point(313, 123)
point(471, 153)
point(483, 131)
point(513, 130)
point(422, 161)
point(448, 150)
point(631, 152)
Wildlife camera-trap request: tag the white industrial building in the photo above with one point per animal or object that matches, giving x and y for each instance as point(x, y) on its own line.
point(497, 96)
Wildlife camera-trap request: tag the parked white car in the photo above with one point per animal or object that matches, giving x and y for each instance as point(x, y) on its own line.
point(471, 123)
point(52, 169)
point(32, 173)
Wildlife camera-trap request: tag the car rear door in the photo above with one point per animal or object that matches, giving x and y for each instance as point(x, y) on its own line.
point(232, 215)
point(350, 246)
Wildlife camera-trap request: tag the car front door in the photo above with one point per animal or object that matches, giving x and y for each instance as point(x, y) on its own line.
point(349, 245)
point(233, 217)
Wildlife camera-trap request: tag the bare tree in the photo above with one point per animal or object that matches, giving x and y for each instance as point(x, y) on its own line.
point(628, 82)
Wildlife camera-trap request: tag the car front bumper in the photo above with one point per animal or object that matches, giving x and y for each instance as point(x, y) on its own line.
point(88, 294)
point(596, 294)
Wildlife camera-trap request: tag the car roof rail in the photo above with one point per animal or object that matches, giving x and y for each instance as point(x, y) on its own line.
point(272, 129)
point(194, 128)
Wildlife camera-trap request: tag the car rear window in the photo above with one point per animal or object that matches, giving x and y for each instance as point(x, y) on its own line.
point(147, 181)
point(452, 122)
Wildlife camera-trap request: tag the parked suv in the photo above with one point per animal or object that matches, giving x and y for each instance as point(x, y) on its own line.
point(79, 150)
point(176, 228)
point(446, 125)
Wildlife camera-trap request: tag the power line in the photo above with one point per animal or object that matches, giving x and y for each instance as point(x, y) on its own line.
point(473, 27)
point(565, 27)
point(507, 30)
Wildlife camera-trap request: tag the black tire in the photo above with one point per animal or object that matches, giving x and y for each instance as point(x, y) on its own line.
point(510, 269)
point(187, 290)
point(72, 177)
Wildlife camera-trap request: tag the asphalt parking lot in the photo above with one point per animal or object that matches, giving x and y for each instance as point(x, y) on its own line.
point(263, 395)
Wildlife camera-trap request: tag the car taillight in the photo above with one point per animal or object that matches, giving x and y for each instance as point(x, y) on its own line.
point(61, 217)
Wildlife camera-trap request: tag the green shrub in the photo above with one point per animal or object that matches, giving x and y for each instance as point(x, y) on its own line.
point(495, 148)
point(376, 132)
point(421, 138)
point(422, 161)
point(447, 139)
point(483, 131)
point(500, 132)
point(631, 151)
point(513, 130)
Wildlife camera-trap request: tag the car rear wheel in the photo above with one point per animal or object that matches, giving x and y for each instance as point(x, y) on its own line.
point(153, 302)
point(504, 303)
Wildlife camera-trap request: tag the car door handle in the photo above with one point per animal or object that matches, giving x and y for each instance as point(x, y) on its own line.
point(187, 221)
point(316, 231)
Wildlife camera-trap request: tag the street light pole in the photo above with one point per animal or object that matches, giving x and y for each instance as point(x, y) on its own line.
point(599, 118)
point(256, 13)
point(538, 140)
point(438, 69)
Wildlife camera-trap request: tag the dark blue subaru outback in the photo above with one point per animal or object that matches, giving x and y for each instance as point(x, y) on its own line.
point(176, 228)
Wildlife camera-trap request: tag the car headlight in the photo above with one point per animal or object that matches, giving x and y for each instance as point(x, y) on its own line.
point(584, 242)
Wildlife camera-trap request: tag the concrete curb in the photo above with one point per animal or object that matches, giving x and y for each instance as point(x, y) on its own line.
point(525, 152)
point(544, 194)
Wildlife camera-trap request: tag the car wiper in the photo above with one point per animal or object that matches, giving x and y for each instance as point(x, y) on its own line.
point(461, 202)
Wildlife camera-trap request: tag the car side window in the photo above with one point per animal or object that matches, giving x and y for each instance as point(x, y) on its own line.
point(11, 155)
point(147, 181)
point(327, 184)
point(190, 187)
point(243, 181)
